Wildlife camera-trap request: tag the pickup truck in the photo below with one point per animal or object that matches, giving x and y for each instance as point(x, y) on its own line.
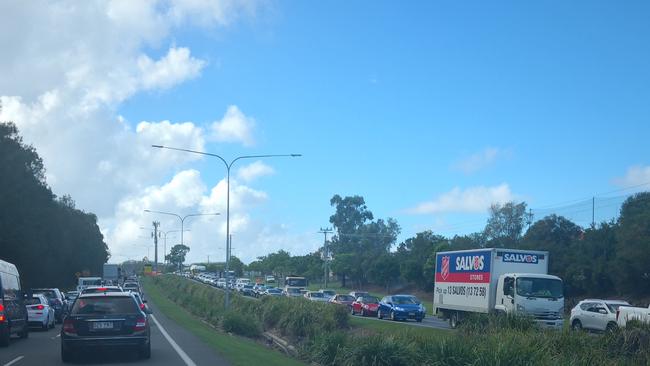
point(628, 313)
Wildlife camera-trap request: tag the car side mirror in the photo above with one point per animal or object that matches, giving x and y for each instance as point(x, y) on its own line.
point(144, 301)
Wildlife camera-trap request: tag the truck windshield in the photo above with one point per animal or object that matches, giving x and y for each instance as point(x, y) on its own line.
point(539, 287)
point(296, 282)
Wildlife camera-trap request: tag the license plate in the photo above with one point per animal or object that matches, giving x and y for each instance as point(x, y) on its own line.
point(411, 314)
point(102, 325)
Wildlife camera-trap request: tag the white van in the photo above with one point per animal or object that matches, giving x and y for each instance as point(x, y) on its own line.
point(13, 313)
point(241, 282)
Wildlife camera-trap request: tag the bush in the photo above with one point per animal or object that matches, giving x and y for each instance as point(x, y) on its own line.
point(378, 350)
point(328, 348)
point(481, 323)
point(237, 323)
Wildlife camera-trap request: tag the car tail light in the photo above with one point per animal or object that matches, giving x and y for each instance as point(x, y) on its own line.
point(140, 324)
point(68, 326)
point(102, 289)
point(2, 312)
point(38, 307)
point(142, 306)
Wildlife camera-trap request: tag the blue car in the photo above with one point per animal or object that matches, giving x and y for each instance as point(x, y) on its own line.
point(401, 307)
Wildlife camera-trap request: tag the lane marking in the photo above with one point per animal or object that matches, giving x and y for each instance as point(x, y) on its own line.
point(14, 361)
point(188, 361)
point(56, 336)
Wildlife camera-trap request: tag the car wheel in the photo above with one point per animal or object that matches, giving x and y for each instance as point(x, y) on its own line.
point(419, 320)
point(379, 316)
point(576, 325)
point(25, 332)
point(363, 312)
point(145, 351)
point(611, 327)
point(46, 324)
point(352, 310)
point(4, 337)
point(66, 355)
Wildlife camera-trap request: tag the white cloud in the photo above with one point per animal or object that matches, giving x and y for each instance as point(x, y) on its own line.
point(176, 67)
point(253, 171)
point(480, 160)
point(635, 176)
point(68, 67)
point(234, 127)
point(470, 200)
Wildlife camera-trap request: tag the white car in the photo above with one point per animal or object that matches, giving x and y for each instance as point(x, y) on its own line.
point(221, 283)
point(595, 314)
point(328, 293)
point(629, 313)
point(39, 312)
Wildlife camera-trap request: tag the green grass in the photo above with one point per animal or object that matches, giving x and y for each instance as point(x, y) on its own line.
point(237, 350)
point(392, 327)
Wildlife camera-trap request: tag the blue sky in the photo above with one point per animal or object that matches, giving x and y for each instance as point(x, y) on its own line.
point(384, 99)
point(428, 109)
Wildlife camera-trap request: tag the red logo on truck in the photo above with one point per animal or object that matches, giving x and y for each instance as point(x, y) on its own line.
point(444, 270)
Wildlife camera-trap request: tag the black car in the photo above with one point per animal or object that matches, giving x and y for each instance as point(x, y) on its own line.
point(104, 321)
point(13, 313)
point(56, 300)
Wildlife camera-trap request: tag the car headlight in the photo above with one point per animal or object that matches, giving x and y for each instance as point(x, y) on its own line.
point(521, 308)
point(423, 309)
point(399, 308)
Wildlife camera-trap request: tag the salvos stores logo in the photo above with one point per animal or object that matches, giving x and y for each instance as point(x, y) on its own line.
point(520, 258)
point(470, 263)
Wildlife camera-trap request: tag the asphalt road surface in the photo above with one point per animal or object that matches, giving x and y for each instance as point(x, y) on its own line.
point(177, 347)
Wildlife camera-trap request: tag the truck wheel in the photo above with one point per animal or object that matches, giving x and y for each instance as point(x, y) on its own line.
point(454, 319)
point(576, 325)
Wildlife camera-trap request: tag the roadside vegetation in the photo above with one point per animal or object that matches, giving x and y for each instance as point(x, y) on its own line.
point(326, 335)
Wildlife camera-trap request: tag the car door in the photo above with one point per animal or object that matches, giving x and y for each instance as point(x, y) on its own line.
point(600, 317)
point(590, 317)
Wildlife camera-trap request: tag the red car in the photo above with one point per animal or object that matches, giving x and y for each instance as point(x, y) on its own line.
point(365, 305)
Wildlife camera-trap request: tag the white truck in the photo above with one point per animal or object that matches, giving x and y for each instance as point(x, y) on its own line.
point(490, 280)
point(84, 282)
point(111, 273)
point(625, 314)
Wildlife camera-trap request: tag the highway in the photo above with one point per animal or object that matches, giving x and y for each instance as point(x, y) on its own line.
point(170, 345)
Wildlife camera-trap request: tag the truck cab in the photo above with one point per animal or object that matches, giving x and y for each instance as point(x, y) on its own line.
point(539, 296)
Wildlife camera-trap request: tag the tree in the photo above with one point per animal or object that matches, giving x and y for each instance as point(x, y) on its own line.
point(413, 254)
point(236, 265)
point(633, 245)
point(384, 270)
point(505, 224)
point(34, 223)
point(558, 236)
point(177, 255)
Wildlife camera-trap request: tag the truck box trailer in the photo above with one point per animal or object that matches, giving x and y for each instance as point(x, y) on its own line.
point(491, 280)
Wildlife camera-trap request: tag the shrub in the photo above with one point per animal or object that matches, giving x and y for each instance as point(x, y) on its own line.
point(327, 348)
point(379, 350)
point(241, 324)
point(481, 323)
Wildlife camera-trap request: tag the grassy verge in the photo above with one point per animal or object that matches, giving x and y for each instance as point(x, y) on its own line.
point(237, 350)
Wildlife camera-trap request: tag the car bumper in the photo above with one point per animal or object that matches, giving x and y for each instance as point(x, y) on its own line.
point(33, 320)
point(100, 342)
point(415, 315)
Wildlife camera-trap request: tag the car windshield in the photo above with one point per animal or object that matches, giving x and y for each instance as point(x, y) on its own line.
point(539, 287)
point(317, 294)
point(104, 305)
point(274, 291)
point(33, 301)
point(403, 300)
point(345, 298)
point(613, 307)
point(293, 290)
point(369, 300)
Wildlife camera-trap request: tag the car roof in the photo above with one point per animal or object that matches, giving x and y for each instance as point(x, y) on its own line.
point(107, 294)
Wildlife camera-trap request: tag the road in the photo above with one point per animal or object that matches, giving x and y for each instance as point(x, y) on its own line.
point(43, 348)
point(429, 321)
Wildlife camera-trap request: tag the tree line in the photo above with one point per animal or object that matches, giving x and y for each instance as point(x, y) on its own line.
point(45, 236)
point(607, 259)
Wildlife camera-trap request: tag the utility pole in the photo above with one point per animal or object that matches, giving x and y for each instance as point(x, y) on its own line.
point(326, 253)
point(156, 224)
point(593, 212)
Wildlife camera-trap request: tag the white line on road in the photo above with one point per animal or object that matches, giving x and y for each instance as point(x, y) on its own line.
point(188, 361)
point(56, 336)
point(14, 361)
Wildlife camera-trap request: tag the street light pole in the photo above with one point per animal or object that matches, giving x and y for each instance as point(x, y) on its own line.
point(180, 218)
point(228, 167)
